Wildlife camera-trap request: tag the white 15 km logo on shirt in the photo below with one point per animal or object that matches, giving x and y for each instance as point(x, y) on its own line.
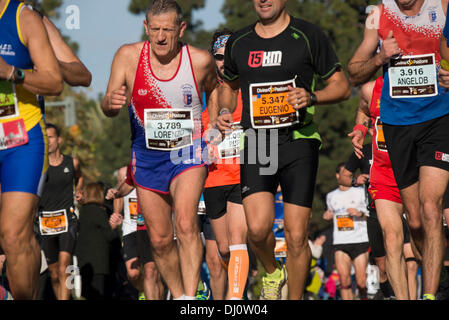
point(264, 59)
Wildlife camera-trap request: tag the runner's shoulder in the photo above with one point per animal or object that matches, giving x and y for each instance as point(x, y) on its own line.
point(130, 51)
point(309, 29)
point(29, 20)
point(239, 35)
point(200, 57)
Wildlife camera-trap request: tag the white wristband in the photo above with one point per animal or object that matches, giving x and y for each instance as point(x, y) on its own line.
point(223, 111)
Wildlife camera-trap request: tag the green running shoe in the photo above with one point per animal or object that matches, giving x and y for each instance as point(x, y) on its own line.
point(142, 296)
point(272, 284)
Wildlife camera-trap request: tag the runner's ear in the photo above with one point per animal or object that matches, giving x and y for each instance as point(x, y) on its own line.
point(182, 29)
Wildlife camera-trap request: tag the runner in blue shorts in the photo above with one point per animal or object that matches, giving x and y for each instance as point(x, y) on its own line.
point(161, 81)
point(23, 143)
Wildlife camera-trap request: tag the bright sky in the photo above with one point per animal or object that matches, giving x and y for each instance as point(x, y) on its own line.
point(105, 25)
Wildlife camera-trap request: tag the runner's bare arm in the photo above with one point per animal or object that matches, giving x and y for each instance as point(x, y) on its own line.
point(74, 72)
point(362, 117)
point(46, 79)
point(227, 99)
point(115, 96)
point(79, 179)
point(211, 88)
point(365, 62)
point(336, 90)
point(227, 95)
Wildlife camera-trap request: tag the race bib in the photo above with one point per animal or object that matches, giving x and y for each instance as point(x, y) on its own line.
point(269, 107)
point(13, 134)
point(8, 101)
point(132, 206)
point(168, 129)
point(280, 251)
point(345, 223)
point(380, 138)
point(413, 76)
point(230, 146)
point(53, 222)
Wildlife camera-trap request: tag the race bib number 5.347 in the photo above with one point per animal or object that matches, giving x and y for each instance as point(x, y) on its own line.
point(413, 76)
point(269, 107)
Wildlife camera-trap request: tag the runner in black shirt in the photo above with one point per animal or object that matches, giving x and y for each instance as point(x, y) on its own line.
point(275, 62)
point(58, 223)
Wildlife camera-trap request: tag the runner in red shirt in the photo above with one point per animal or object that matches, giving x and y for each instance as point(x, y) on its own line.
point(383, 189)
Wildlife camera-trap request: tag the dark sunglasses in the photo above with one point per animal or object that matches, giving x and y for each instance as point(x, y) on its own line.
point(219, 56)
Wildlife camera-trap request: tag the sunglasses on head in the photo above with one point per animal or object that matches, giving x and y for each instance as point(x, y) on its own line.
point(219, 56)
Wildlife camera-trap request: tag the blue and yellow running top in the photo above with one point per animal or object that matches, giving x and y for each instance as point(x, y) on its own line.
point(15, 101)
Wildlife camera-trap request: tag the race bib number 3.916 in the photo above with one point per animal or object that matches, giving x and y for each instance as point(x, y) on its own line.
point(413, 76)
point(269, 106)
point(168, 129)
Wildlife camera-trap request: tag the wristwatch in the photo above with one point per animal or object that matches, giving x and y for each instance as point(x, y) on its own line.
point(312, 99)
point(19, 75)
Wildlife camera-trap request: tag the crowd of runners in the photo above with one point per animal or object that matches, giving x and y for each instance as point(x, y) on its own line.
point(219, 138)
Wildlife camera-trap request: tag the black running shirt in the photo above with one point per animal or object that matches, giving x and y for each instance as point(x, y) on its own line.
point(300, 53)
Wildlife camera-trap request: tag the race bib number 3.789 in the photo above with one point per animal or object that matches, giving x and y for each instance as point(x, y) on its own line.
point(168, 129)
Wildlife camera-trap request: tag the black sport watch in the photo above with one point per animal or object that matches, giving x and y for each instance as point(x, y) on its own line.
point(312, 99)
point(354, 181)
point(19, 75)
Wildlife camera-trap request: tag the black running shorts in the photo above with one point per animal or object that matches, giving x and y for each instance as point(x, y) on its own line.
point(297, 165)
point(216, 199)
point(144, 251)
point(353, 250)
point(205, 227)
point(66, 242)
point(130, 246)
point(413, 146)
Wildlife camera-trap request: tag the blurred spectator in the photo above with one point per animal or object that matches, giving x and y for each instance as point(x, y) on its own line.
point(95, 235)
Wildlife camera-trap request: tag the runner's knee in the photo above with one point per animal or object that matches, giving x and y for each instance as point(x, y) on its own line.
point(296, 241)
point(431, 212)
point(14, 242)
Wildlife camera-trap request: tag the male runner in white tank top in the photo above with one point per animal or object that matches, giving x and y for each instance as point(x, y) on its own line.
point(142, 75)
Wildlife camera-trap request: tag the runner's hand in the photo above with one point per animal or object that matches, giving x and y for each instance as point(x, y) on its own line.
point(224, 123)
point(115, 220)
point(210, 154)
point(362, 179)
point(5, 69)
point(79, 196)
point(354, 212)
point(357, 142)
point(328, 215)
point(443, 78)
point(111, 194)
point(117, 98)
point(389, 48)
point(298, 97)
point(212, 134)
